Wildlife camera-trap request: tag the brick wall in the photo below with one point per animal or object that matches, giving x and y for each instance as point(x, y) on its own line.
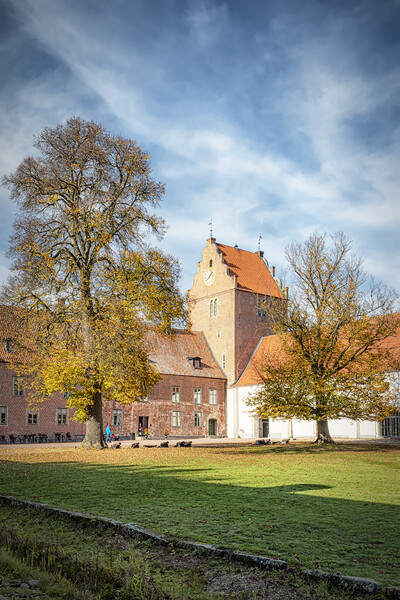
point(17, 412)
point(159, 407)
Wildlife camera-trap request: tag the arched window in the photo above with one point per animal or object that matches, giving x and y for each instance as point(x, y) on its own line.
point(215, 307)
point(211, 308)
point(210, 263)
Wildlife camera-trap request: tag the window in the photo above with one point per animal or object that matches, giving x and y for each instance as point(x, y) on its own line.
point(210, 263)
point(218, 334)
point(213, 307)
point(18, 386)
point(224, 361)
point(197, 419)
point(176, 394)
point(117, 417)
point(197, 395)
point(32, 417)
point(212, 394)
point(8, 345)
point(3, 415)
point(261, 307)
point(62, 416)
point(176, 418)
point(195, 361)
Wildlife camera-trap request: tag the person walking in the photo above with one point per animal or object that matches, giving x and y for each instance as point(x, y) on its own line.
point(108, 434)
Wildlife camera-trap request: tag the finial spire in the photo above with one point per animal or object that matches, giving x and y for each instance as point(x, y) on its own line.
point(259, 242)
point(210, 224)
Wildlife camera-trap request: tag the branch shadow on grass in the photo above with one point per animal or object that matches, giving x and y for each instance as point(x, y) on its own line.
point(298, 522)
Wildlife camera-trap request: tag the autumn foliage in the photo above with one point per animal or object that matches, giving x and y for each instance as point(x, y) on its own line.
point(334, 342)
point(85, 277)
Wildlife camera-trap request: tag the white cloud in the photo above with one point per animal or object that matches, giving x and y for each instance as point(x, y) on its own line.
point(228, 149)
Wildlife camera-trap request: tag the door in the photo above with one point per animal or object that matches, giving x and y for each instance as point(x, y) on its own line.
point(143, 424)
point(212, 427)
point(264, 428)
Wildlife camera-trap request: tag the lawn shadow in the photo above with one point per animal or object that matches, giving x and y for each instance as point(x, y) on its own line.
point(298, 521)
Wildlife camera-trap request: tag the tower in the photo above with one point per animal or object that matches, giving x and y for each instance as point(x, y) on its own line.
point(227, 302)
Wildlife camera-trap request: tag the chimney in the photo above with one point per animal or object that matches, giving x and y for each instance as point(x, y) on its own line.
point(260, 253)
point(273, 271)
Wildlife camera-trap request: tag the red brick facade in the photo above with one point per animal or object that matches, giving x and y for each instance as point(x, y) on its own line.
point(170, 406)
point(17, 420)
point(157, 412)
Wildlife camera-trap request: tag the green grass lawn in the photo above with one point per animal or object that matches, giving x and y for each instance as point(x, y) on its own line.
point(332, 509)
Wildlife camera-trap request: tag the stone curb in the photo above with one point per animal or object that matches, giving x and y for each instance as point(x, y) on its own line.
point(347, 582)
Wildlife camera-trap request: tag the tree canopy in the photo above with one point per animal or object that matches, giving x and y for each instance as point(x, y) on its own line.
point(334, 341)
point(84, 271)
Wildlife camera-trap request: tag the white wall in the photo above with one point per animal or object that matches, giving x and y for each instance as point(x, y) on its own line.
point(241, 423)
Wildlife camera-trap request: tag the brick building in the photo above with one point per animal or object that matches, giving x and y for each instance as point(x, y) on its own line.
point(228, 300)
point(206, 372)
point(227, 306)
point(189, 400)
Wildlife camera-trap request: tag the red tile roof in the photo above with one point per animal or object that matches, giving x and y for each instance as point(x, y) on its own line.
point(273, 343)
point(251, 374)
point(252, 273)
point(170, 354)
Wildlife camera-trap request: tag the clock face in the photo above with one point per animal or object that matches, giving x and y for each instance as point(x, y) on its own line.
point(209, 277)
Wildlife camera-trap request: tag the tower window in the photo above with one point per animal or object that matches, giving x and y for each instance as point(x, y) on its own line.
point(213, 307)
point(224, 361)
point(210, 263)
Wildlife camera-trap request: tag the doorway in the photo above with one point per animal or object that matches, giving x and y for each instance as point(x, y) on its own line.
point(264, 428)
point(212, 426)
point(143, 424)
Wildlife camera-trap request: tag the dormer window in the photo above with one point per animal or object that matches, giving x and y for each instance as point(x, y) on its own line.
point(195, 361)
point(8, 345)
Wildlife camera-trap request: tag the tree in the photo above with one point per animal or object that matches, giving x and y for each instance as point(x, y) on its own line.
point(86, 281)
point(333, 341)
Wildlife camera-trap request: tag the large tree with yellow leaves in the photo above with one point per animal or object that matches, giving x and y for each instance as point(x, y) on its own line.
point(83, 271)
point(335, 341)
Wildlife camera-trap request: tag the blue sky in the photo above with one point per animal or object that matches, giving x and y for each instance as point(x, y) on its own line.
point(269, 117)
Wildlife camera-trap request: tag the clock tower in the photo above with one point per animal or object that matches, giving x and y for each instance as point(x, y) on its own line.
point(227, 303)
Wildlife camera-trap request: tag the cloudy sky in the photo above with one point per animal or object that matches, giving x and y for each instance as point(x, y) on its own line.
point(271, 117)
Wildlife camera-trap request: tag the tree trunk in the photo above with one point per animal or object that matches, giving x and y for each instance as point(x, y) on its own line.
point(323, 435)
point(94, 437)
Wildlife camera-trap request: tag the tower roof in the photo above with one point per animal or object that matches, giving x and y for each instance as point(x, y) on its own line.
point(251, 271)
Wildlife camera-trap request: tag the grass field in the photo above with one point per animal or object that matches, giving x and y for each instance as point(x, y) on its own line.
point(332, 509)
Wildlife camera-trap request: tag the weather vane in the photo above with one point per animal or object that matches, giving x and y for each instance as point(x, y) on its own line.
point(259, 242)
point(210, 224)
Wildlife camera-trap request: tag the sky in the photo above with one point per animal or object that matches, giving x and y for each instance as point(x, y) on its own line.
point(272, 118)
